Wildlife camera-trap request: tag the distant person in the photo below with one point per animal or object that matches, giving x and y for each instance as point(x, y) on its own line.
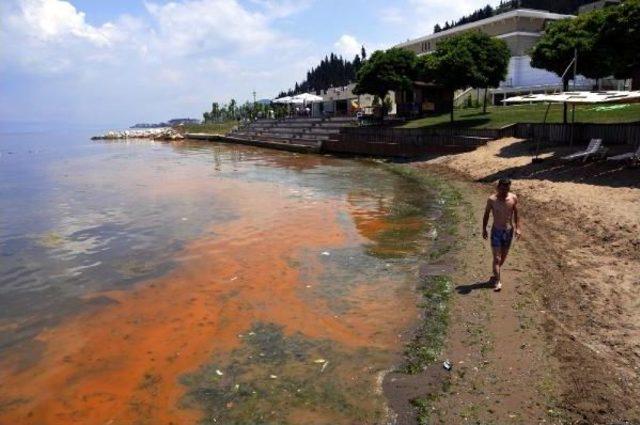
point(503, 205)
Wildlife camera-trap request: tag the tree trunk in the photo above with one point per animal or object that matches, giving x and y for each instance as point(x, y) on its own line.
point(565, 87)
point(484, 102)
point(453, 95)
point(635, 79)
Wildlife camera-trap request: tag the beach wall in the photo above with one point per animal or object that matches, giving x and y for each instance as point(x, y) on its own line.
point(410, 142)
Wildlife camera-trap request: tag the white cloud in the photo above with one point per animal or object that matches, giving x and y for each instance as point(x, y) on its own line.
point(282, 8)
point(201, 25)
point(54, 20)
point(173, 59)
point(348, 46)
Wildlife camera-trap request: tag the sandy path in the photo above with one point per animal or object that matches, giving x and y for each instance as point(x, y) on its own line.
point(575, 281)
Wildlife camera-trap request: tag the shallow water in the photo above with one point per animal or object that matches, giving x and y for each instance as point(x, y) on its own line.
point(159, 283)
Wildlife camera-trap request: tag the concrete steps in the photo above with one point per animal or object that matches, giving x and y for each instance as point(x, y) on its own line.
point(301, 132)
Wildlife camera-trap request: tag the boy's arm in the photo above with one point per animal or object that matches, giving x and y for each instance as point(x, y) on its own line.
point(485, 219)
point(516, 216)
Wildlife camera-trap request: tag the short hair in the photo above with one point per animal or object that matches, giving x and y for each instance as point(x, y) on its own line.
point(504, 182)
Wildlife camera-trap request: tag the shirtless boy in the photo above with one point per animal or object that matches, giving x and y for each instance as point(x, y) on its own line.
point(504, 207)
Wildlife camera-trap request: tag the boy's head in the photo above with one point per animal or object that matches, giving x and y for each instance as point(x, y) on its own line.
point(504, 185)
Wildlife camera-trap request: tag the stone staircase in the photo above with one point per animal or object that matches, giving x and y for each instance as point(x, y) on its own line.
point(298, 134)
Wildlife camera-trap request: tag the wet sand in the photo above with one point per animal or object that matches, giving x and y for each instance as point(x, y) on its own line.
point(559, 344)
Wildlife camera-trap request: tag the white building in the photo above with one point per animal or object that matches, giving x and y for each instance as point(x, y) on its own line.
point(520, 29)
point(341, 101)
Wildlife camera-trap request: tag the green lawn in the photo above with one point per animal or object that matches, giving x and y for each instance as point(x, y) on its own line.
point(219, 128)
point(498, 116)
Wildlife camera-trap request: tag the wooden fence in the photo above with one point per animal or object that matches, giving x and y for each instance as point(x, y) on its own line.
point(396, 133)
point(413, 142)
point(610, 134)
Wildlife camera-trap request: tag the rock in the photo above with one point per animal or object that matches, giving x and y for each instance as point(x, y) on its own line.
point(166, 133)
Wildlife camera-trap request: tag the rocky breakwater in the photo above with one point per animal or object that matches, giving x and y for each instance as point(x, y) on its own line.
point(165, 133)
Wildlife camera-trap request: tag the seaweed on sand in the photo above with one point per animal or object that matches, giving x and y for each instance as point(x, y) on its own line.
point(272, 377)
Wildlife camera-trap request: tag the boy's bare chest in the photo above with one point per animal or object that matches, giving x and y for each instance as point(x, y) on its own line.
point(502, 206)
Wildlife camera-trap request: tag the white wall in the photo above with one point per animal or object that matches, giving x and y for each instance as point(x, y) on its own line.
point(522, 74)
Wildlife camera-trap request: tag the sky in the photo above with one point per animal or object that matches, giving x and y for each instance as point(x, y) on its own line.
point(118, 62)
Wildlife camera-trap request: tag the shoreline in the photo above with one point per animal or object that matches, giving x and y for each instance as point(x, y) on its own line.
point(555, 346)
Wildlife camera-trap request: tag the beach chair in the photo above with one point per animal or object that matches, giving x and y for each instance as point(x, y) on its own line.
point(633, 158)
point(595, 149)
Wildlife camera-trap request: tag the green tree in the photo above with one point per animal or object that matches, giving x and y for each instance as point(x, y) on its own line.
point(594, 53)
point(620, 38)
point(491, 60)
point(451, 65)
point(232, 108)
point(556, 49)
point(215, 112)
point(394, 69)
point(584, 36)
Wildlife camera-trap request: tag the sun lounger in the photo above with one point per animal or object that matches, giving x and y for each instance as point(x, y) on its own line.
point(631, 157)
point(595, 148)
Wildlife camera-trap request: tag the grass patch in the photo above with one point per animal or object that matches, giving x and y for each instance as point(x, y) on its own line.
point(499, 116)
point(217, 128)
point(423, 408)
point(428, 341)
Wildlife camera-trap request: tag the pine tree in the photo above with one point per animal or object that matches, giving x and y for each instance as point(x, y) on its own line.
point(333, 70)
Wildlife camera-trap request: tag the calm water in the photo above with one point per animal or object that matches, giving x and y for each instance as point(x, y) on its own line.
point(159, 283)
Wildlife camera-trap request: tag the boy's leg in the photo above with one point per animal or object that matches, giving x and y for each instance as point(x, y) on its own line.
point(497, 262)
point(503, 254)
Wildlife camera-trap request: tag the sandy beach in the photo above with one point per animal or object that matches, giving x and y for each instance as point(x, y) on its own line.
point(560, 343)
